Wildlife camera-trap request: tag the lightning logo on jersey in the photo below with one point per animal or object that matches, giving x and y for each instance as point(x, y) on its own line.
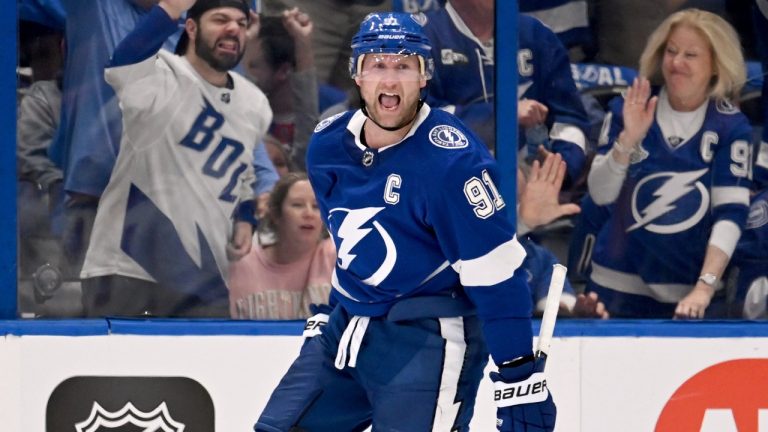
point(447, 137)
point(400, 227)
point(675, 187)
point(672, 197)
point(351, 233)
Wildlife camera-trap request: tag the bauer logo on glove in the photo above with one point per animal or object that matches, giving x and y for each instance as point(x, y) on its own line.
point(532, 390)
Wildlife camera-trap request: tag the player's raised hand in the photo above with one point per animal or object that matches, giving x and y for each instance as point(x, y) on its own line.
point(539, 204)
point(175, 8)
point(638, 112)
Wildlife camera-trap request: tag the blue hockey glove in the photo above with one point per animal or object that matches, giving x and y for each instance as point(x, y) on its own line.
point(523, 401)
point(315, 323)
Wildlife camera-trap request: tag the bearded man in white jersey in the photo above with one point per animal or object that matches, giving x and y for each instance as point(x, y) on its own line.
point(179, 204)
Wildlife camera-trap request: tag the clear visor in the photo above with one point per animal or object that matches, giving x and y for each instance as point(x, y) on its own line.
point(402, 67)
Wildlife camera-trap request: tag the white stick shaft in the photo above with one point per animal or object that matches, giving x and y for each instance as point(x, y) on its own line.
point(551, 308)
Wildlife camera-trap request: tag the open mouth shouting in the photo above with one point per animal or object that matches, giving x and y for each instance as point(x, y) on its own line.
point(389, 101)
point(229, 46)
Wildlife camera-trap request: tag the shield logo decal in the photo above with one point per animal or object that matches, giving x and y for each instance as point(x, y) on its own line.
point(157, 420)
point(130, 404)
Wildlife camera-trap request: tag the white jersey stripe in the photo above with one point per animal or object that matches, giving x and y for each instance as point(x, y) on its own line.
point(762, 155)
point(492, 268)
point(447, 409)
point(725, 235)
point(730, 195)
point(633, 284)
point(570, 133)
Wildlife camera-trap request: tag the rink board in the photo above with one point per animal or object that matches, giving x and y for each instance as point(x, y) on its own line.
point(615, 376)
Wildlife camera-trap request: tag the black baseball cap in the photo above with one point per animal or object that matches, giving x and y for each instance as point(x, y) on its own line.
point(202, 6)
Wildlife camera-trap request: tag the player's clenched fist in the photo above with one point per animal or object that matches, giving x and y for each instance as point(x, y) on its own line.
point(522, 397)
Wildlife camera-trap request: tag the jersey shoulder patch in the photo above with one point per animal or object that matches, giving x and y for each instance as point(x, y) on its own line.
point(725, 106)
point(327, 121)
point(758, 214)
point(448, 137)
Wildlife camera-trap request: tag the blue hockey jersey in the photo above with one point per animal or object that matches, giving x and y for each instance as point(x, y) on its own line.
point(544, 75)
point(751, 260)
point(588, 223)
point(464, 81)
point(420, 217)
point(655, 241)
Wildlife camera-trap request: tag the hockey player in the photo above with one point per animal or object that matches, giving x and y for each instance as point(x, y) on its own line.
point(164, 230)
point(463, 48)
point(427, 280)
point(675, 167)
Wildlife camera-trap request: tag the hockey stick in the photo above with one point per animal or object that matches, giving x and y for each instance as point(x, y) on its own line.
point(550, 310)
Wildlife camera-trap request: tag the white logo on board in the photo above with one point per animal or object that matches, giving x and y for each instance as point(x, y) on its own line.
point(159, 419)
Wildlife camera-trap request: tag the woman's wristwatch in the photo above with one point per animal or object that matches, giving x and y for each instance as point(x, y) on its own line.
point(708, 279)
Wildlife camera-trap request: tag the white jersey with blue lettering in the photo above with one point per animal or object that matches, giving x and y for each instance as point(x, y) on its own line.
point(183, 167)
point(689, 175)
point(419, 217)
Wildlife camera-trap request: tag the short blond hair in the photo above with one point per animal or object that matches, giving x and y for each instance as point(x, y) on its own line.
point(727, 58)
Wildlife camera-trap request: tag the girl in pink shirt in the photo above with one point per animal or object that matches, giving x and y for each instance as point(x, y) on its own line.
point(279, 279)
